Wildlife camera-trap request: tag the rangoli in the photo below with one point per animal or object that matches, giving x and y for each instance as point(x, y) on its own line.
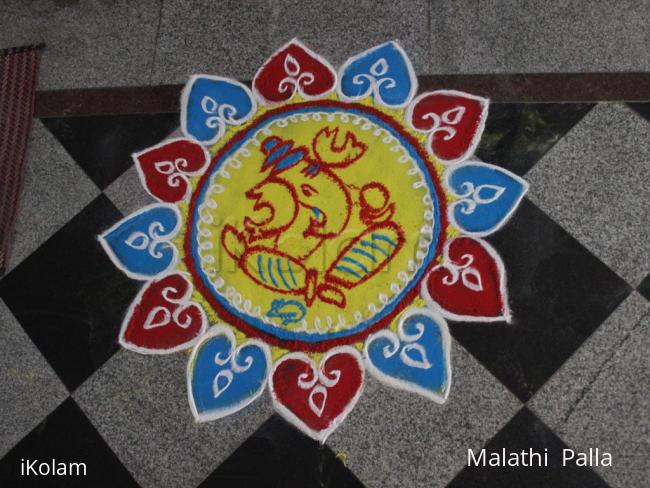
point(312, 229)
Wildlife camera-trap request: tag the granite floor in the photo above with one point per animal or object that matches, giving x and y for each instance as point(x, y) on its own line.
point(114, 43)
point(572, 371)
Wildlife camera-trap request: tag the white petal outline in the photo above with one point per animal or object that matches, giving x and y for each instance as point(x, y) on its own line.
point(170, 236)
point(225, 330)
point(469, 152)
point(319, 435)
point(295, 41)
point(371, 92)
point(506, 315)
point(404, 385)
point(185, 94)
point(136, 162)
point(450, 208)
point(184, 301)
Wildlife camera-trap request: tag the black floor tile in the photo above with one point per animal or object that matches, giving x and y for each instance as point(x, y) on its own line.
point(559, 294)
point(517, 135)
point(522, 433)
point(65, 436)
point(69, 296)
point(102, 145)
point(644, 287)
point(277, 455)
point(643, 109)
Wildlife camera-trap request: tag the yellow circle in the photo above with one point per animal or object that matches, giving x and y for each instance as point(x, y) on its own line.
point(316, 223)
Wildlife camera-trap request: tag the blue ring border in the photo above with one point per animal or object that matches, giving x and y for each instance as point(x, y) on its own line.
point(287, 335)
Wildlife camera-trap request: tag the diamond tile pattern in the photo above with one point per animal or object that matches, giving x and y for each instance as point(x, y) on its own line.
point(29, 388)
point(139, 405)
point(283, 456)
point(395, 439)
point(70, 298)
point(644, 287)
point(559, 294)
point(594, 184)
point(609, 373)
point(576, 348)
point(66, 435)
point(517, 135)
point(103, 145)
point(55, 190)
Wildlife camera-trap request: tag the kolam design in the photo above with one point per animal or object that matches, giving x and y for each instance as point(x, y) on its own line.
point(315, 227)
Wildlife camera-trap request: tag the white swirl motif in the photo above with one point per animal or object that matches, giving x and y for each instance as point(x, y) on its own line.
point(138, 240)
point(152, 241)
point(318, 383)
point(319, 390)
point(161, 316)
point(228, 375)
point(376, 79)
point(157, 317)
point(224, 113)
point(421, 362)
point(472, 196)
point(175, 171)
point(450, 117)
point(217, 389)
point(406, 344)
point(295, 78)
point(469, 276)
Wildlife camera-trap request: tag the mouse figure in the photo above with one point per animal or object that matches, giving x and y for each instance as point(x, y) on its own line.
point(288, 311)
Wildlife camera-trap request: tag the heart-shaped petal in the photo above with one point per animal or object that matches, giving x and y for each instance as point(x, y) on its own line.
point(222, 377)
point(384, 71)
point(293, 68)
point(415, 359)
point(162, 319)
point(210, 103)
point(164, 169)
point(488, 196)
point(454, 121)
point(317, 400)
point(469, 284)
point(140, 244)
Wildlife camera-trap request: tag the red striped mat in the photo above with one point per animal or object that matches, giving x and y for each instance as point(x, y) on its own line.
point(18, 72)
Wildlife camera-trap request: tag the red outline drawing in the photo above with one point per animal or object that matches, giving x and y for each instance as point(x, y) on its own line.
point(323, 290)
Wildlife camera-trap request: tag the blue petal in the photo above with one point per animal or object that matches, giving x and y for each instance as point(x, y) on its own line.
point(417, 359)
point(209, 103)
point(140, 244)
point(385, 71)
point(222, 379)
point(488, 196)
